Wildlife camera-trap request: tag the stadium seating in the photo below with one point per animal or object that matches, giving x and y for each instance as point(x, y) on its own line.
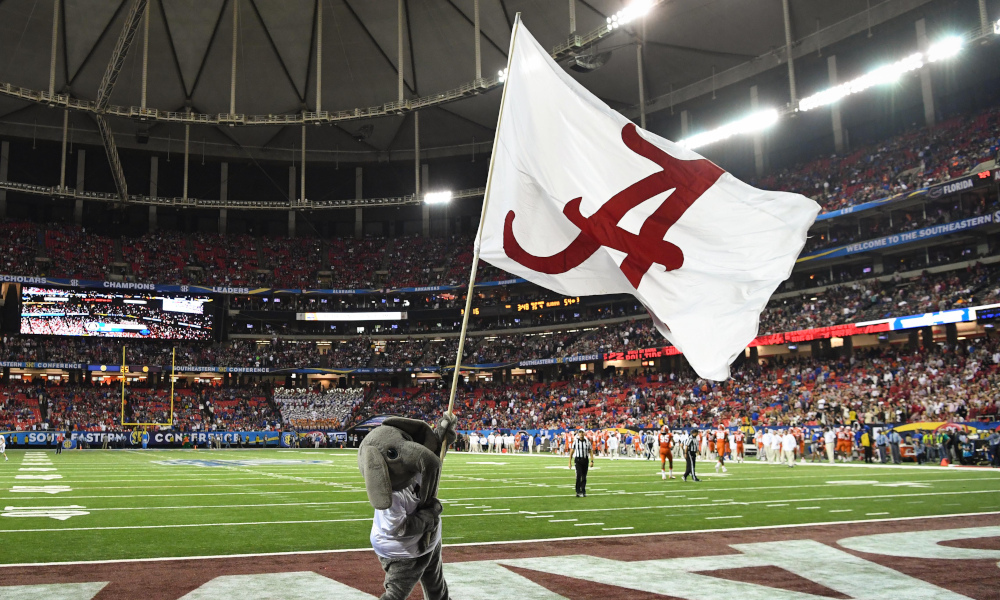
point(856, 301)
point(890, 385)
point(912, 160)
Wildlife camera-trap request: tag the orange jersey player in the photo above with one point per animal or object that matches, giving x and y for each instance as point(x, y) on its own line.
point(844, 443)
point(666, 442)
point(738, 440)
point(720, 448)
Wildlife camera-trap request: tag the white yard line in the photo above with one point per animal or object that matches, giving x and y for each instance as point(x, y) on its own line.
point(728, 517)
point(768, 503)
point(479, 514)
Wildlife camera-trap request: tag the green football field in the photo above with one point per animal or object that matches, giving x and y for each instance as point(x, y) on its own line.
point(93, 505)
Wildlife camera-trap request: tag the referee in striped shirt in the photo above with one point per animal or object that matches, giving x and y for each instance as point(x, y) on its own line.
point(581, 450)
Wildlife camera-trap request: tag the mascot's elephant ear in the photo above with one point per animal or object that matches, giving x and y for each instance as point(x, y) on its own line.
point(418, 430)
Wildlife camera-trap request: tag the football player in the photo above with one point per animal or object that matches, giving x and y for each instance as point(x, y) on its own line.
point(666, 441)
point(720, 448)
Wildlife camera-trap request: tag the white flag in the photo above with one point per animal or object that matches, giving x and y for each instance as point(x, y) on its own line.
point(582, 202)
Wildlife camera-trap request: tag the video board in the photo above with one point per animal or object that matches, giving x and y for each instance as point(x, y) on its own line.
point(148, 315)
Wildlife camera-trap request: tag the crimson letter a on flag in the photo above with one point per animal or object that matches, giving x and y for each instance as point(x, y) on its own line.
point(583, 202)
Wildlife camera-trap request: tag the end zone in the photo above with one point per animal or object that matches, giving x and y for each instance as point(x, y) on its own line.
point(885, 558)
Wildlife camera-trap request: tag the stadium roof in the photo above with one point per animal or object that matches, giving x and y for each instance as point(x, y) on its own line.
point(191, 56)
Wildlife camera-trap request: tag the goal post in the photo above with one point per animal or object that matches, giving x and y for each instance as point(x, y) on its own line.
point(170, 415)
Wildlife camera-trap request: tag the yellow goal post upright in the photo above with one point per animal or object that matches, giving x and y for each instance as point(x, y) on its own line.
point(170, 419)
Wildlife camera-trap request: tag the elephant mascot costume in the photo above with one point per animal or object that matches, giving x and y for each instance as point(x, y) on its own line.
point(400, 464)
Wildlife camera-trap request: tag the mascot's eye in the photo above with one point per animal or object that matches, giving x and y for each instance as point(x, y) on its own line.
point(392, 453)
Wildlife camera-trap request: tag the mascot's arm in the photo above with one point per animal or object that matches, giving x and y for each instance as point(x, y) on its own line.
point(446, 431)
point(422, 520)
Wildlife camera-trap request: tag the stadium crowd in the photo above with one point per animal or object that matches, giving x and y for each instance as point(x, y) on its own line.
point(310, 409)
point(856, 301)
point(912, 160)
point(882, 385)
point(879, 386)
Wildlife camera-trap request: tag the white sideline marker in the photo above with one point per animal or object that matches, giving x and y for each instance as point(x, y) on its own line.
point(615, 528)
point(562, 520)
point(60, 513)
point(875, 514)
point(586, 524)
point(40, 489)
point(539, 516)
point(806, 508)
point(729, 517)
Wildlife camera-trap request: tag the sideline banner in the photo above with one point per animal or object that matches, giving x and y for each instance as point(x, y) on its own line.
point(933, 192)
point(905, 237)
point(239, 291)
point(869, 205)
point(161, 439)
point(41, 365)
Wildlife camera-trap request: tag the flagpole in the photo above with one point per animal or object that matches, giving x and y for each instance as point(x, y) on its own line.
point(479, 233)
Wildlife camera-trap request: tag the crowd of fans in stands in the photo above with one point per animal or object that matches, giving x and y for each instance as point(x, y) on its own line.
point(304, 408)
point(834, 305)
point(887, 384)
point(912, 160)
point(100, 407)
point(883, 385)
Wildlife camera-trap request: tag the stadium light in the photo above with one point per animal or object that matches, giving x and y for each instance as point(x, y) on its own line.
point(636, 10)
point(882, 75)
point(753, 122)
point(941, 50)
point(996, 27)
point(437, 197)
point(946, 48)
point(502, 75)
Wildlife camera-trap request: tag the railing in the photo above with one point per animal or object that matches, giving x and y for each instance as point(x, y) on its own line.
point(57, 192)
